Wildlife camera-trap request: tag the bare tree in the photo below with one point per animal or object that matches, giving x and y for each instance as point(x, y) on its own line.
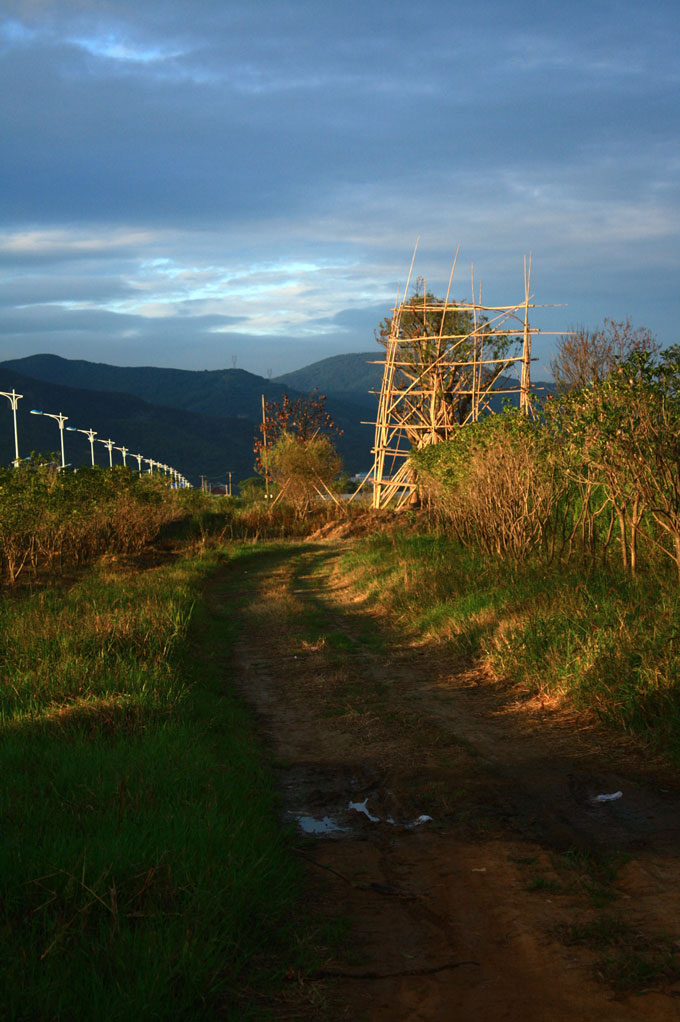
point(586, 356)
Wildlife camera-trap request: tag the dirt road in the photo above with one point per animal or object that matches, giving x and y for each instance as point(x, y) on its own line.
point(523, 896)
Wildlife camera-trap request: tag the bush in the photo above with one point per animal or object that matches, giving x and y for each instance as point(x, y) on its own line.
point(492, 484)
point(51, 518)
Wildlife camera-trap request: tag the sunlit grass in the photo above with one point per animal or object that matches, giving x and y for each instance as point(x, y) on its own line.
point(599, 639)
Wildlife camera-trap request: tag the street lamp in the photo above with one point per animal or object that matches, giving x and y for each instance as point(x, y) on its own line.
point(61, 419)
point(109, 445)
point(89, 433)
point(13, 400)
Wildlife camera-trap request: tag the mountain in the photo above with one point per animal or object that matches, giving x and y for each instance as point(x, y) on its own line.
point(193, 444)
point(355, 377)
point(232, 392)
point(345, 377)
point(222, 392)
point(200, 422)
point(229, 400)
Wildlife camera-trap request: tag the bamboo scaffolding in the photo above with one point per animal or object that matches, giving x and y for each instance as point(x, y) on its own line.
point(447, 380)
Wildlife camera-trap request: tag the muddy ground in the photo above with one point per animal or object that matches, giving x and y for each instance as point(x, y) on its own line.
point(523, 897)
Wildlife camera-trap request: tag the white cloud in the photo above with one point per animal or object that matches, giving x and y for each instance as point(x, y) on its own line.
point(114, 47)
point(50, 242)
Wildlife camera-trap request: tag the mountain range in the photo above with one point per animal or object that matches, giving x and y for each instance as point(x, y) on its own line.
point(201, 422)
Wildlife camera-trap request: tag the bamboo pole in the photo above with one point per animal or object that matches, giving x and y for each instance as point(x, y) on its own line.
point(266, 457)
point(525, 400)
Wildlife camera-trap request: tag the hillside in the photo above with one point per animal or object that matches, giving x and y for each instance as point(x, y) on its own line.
point(201, 422)
point(349, 377)
point(354, 377)
point(220, 412)
point(221, 392)
point(193, 444)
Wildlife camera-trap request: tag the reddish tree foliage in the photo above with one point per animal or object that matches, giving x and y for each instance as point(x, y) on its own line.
point(304, 418)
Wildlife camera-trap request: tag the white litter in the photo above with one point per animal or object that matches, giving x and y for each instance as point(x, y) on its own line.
point(361, 807)
point(608, 798)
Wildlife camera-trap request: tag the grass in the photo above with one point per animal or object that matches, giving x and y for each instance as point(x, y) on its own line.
point(628, 960)
point(144, 873)
point(603, 641)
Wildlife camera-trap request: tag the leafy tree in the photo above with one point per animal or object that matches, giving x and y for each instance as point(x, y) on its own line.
point(435, 371)
point(644, 424)
point(303, 468)
point(252, 488)
point(622, 432)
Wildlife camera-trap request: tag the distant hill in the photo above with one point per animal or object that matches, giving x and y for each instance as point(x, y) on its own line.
point(355, 376)
point(229, 400)
point(230, 393)
point(193, 444)
point(201, 422)
point(345, 377)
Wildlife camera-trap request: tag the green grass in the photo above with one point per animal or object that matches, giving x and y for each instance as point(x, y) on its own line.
point(603, 641)
point(629, 961)
point(144, 874)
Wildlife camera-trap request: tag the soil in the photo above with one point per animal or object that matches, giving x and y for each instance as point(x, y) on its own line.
point(522, 896)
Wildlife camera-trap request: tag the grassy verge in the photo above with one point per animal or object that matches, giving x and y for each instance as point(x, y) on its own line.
point(601, 640)
point(143, 872)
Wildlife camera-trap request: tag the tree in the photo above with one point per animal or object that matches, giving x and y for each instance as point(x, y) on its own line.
point(303, 468)
point(623, 433)
point(302, 419)
point(252, 488)
point(648, 435)
point(436, 371)
point(586, 356)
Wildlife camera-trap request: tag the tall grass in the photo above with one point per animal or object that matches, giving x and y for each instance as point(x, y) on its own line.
point(604, 641)
point(144, 874)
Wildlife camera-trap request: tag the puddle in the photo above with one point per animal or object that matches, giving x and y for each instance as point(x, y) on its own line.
point(362, 807)
point(312, 825)
point(341, 822)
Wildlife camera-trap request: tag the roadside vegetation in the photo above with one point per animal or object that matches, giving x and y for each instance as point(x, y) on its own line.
point(552, 553)
point(144, 870)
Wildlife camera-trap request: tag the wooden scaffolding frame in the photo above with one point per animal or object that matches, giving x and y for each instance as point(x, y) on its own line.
point(429, 378)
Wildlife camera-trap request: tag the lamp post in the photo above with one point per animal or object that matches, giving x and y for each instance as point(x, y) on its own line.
point(109, 445)
point(123, 451)
point(13, 400)
point(61, 419)
point(90, 434)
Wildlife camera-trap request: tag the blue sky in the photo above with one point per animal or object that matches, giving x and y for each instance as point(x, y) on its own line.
point(203, 184)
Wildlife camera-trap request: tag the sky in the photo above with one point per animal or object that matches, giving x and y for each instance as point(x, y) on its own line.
point(242, 182)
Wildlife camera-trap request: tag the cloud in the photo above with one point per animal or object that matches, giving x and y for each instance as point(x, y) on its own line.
point(52, 244)
point(254, 178)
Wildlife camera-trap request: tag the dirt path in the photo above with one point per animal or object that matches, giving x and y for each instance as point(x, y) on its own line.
point(522, 898)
